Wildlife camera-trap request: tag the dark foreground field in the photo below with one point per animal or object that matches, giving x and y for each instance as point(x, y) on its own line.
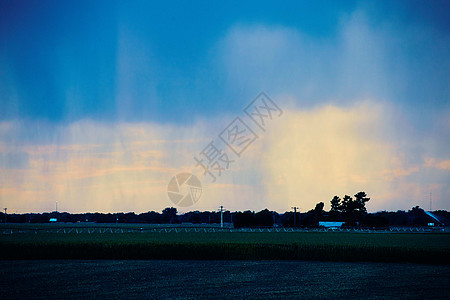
point(220, 279)
point(429, 248)
point(41, 264)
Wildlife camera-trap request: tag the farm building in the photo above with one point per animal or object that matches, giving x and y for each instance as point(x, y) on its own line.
point(327, 224)
point(433, 219)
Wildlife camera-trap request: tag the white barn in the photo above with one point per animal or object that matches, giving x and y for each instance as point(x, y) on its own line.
point(330, 224)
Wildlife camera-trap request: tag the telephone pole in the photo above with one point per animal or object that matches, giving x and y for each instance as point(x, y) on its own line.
point(5, 214)
point(221, 216)
point(295, 216)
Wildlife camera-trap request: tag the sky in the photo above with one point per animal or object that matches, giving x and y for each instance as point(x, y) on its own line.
point(102, 103)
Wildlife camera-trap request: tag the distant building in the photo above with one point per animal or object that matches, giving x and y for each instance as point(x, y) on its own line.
point(53, 220)
point(330, 224)
point(433, 218)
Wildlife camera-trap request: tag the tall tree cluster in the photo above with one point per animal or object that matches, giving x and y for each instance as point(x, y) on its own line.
point(351, 209)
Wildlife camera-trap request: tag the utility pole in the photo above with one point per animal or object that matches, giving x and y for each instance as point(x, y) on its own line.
point(221, 216)
point(295, 216)
point(56, 206)
point(5, 214)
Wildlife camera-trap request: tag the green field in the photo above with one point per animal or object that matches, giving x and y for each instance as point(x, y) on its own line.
point(431, 248)
point(41, 264)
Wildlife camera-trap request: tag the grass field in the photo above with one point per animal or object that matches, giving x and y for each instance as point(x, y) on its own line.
point(168, 279)
point(188, 265)
point(320, 246)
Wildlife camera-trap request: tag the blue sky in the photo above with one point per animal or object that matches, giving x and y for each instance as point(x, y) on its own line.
point(72, 70)
point(51, 47)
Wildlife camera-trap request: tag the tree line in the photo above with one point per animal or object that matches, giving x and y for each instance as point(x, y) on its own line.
point(350, 210)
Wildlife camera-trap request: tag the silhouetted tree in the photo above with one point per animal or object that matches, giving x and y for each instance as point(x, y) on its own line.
point(169, 215)
point(244, 219)
point(352, 209)
point(250, 219)
point(287, 219)
point(360, 202)
point(417, 216)
point(347, 208)
point(318, 210)
point(312, 217)
point(151, 217)
point(264, 218)
point(335, 205)
point(374, 220)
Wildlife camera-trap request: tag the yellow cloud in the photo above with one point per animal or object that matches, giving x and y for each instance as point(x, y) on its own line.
point(328, 151)
point(305, 157)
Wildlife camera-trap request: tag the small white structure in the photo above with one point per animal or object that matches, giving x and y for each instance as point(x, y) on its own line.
point(330, 224)
point(53, 220)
